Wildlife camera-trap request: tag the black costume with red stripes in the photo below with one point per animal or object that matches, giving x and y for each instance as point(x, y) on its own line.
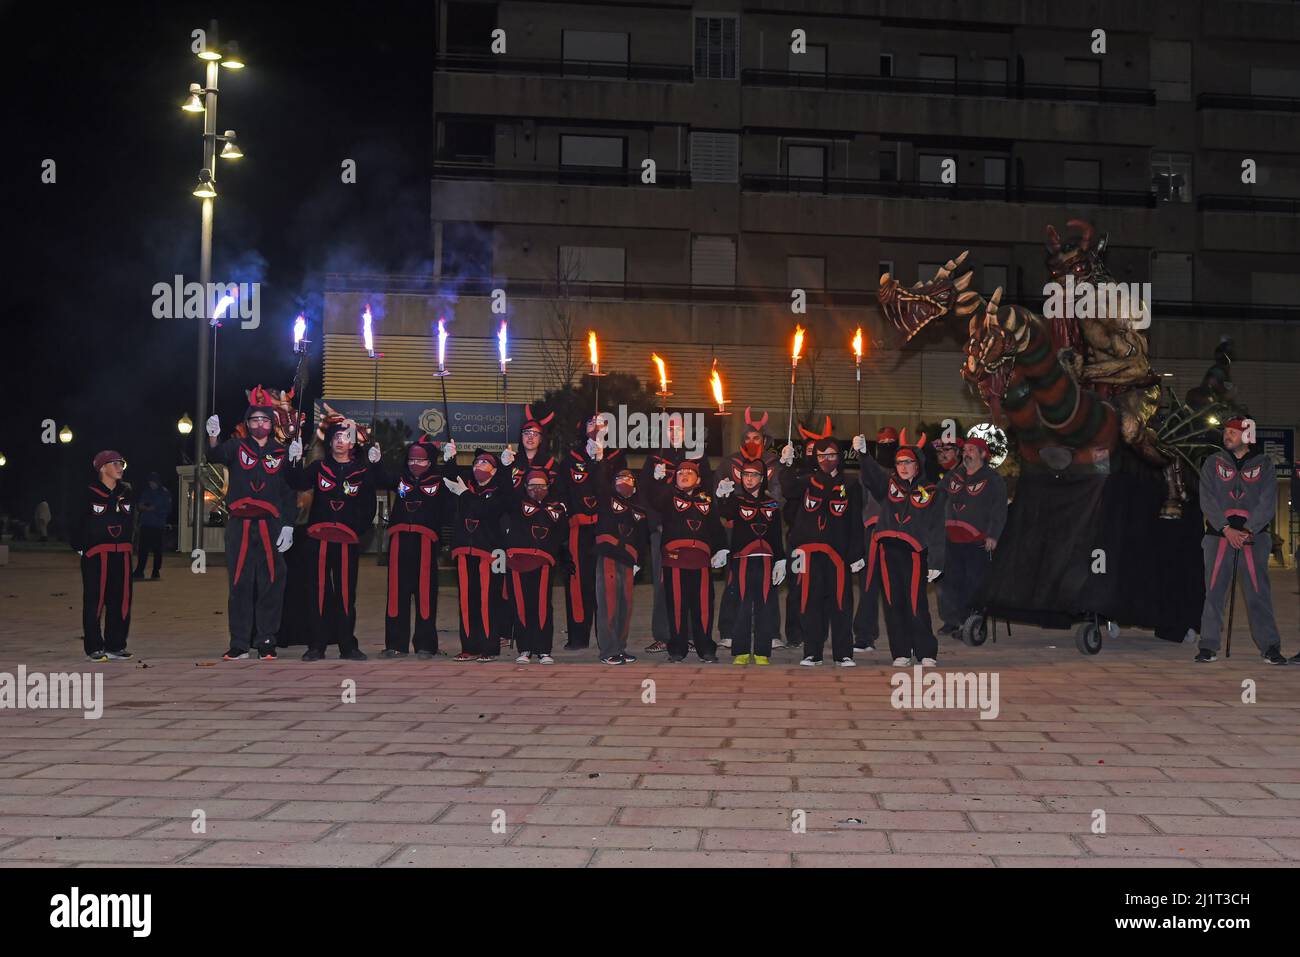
point(536, 543)
point(415, 523)
point(756, 545)
point(827, 529)
point(670, 459)
point(581, 496)
point(691, 533)
point(342, 508)
point(101, 531)
point(475, 534)
point(622, 541)
point(261, 503)
point(729, 468)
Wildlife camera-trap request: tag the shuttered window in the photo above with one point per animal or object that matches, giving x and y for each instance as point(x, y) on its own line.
point(1171, 277)
point(713, 261)
point(715, 157)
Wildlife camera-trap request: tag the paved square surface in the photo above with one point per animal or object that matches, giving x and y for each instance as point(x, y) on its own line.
point(437, 763)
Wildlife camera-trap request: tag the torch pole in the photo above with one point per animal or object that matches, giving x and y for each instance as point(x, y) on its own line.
point(857, 369)
point(446, 411)
point(505, 406)
point(374, 402)
point(789, 424)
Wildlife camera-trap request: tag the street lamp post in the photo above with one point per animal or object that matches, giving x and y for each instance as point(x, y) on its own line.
point(65, 438)
point(206, 191)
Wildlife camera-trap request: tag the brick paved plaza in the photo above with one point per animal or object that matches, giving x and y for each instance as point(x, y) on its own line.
point(589, 775)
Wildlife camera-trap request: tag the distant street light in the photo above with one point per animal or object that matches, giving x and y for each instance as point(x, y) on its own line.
point(185, 426)
point(3, 461)
point(65, 435)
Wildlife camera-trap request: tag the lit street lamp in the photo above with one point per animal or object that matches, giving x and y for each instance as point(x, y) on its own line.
point(185, 426)
point(214, 57)
point(65, 435)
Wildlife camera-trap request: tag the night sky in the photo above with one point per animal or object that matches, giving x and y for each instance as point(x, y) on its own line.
point(98, 90)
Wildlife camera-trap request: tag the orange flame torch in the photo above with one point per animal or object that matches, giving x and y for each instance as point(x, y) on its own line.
point(857, 371)
point(795, 351)
point(663, 392)
point(715, 383)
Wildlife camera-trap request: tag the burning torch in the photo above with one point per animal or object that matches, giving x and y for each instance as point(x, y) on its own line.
point(663, 392)
point(795, 352)
point(594, 355)
point(367, 335)
point(218, 313)
point(442, 372)
point(715, 383)
point(857, 373)
point(502, 338)
point(301, 349)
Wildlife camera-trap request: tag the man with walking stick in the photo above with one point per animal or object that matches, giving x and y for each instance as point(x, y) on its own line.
point(1238, 500)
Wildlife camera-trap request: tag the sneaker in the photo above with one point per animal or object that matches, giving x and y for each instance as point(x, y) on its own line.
point(1296, 658)
point(392, 653)
point(655, 647)
point(761, 660)
point(613, 660)
point(846, 662)
point(465, 656)
point(709, 659)
point(777, 643)
point(1205, 655)
point(811, 662)
point(97, 656)
point(313, 654)
point(742, 659)
point(902, 662)
point(266, 651)
point(424, 655)
point(356, 654)
point(724, 643)
point(545, 660)
point(1273, 656)
point(524, 659)
point(484, 658)
point(235, 654)
point(928, 662)
point(675, 658)
point(123, 655)
point(628, 658)
point(868, 647)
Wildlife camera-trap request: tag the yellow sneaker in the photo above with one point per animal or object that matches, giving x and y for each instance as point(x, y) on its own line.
point(760, 660)
point(740, 660)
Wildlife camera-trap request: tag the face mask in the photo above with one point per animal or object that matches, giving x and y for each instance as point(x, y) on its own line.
point(752, 449)
point(483, 473)
point(625, 487)
point(260, 430)
point(417, 466)
point(537, 492)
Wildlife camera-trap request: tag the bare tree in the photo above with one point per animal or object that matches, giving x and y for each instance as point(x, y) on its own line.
point(808, 392)
point(561, 345)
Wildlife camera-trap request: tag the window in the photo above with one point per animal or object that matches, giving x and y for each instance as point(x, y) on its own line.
point(592, 263)
point(466, 141)
point(803, 161)
point(813, 61)
point(994, 276)
point(886, 64)
point(1083, 175)
point(995, 70)
point(925, 271)
point(929, 168)
point(713, 261)
point(469, 27)
point(717, 46)
point(1084, 73)
point(995, 171)
point(938, 67)
point(805, 272)
point(1274, 288)
point(1171, 69)
point(1171, 177)
point(585, 46)
point(1171, 277)
point(467, 250)
point(592, 151)
point(715, 157)
point(1272, 81)
point(889, 162)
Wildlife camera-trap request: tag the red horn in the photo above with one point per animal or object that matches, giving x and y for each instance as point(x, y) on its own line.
point(1086, 232)
point(547, 419)
point(920, 443)
point(1053, 240)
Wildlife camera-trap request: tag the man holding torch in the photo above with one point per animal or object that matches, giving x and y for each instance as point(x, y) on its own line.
point(581, 497)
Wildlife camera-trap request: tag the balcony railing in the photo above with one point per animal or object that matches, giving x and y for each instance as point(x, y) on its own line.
point(561, 176)
point(1010, 90)
point(1241, 101)
point(1286, 205)
point(580, 69)
point(899, 190)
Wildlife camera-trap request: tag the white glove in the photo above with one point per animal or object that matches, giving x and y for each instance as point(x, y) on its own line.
point(726, 487)
point(507, 455)
point(859, 443)
point(455, 485)
point(81, 553)
point(719, 558)
point(778, 572)
point(374, 454)
point(933, 573)
point(285, 541)
point(635, 569)
point(214, 426)
point(595, 450)
point(787, 454)
point(857, 566)
point(660, 472)
point(448, 450)
point(295, 450)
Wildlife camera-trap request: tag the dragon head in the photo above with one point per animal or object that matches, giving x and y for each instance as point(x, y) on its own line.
point(1079, 254)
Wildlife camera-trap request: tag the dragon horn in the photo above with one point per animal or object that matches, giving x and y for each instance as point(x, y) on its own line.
point(1053, 240)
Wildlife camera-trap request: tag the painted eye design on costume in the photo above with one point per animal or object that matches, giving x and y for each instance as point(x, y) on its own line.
point(703, 507)
point(97, 509)
point(921, 497)
point(349, 488)
point(272, 463)
point(555, 511)
point(839, 507)
point(324, 484)
point(1253, 473)
point(403, 488)
point(431, 489)
point(1225, 473)
point(681, 505)
point(811, 504)
point(246, 458)
point(977, 487)
point(896, 494)
point(746, 513)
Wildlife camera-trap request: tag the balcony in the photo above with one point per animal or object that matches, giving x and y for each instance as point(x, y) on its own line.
point(1232, 121)
point(1243, 223)
point(576, 69)
point(1241, 101)
point(1284, 205)
point(863, 83)
point(561, 176)
point(1055, 196)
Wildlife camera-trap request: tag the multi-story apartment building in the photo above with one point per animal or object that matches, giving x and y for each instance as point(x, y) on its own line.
point(669, 172)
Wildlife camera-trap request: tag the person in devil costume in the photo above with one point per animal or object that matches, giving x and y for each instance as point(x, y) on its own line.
point(536, 542)
point(535, 451)
point(756, 563)
point(581, 496)
point(908, 550)
point(975, 513)
point(622, 540)
point(482, 498)
point(262, 508)
point(414, 526)
point(866, 619)
point(753, 448)
point(826, 540)
point(100, 533)
point(805, 465)
point(343, 486)
point(670, 456)
point(1239, 500)
point(692, 543)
